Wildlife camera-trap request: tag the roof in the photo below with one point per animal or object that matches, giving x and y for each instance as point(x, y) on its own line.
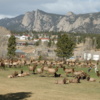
point(28, 50)
point(23, 36)
point(44, 38)
point(19, 51)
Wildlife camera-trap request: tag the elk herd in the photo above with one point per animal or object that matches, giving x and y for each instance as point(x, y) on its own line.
point(48, 68)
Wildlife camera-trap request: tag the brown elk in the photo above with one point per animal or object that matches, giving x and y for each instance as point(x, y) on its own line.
point(2, 64)
point(68, 70)
point(90, 79)
point(98, 74)
point(33, 68)
point(63, 81)
point(76, 80)
point(40, 70)
point(15, 74)
point(83, 75)
point(52, 70)
point(45, 68)
point(76, 73)
point(22, 74)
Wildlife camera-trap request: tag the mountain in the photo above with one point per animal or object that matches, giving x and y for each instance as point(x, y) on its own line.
point(41, 21)
point(4, 31)
point(13, 23)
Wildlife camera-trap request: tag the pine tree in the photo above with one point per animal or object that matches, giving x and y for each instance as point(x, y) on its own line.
point(11, 47)
point(65, 46)
point(49, 43)
point(98, 42)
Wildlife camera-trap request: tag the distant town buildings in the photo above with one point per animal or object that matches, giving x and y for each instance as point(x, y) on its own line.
point(23, 37)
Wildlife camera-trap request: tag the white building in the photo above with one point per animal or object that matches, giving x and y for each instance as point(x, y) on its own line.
point(55, 41)
point(44, 39)
point(96, 57)
point(35, 40)
point(23, 37)
point(18, 37)
point(89, 56)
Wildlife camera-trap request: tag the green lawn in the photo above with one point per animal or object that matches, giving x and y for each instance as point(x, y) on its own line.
point(35, 87)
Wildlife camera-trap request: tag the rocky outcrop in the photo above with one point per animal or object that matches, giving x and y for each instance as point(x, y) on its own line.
point(41, 21)
point(3, 41)
point(4, 31)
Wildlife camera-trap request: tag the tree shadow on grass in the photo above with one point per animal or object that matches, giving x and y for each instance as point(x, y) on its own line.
point(16, 96)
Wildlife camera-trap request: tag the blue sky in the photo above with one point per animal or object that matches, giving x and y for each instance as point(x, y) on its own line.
point(11, 8)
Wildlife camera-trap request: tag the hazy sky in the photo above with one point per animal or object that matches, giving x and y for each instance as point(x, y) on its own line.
point(10, 8)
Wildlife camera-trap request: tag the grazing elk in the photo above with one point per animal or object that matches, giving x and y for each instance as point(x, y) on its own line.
point(33, 68)
point(2, 65)
point(52, 70)
point(68, 70)
point(40, 70)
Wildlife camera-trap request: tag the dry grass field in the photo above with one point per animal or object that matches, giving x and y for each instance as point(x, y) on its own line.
point(35, 87)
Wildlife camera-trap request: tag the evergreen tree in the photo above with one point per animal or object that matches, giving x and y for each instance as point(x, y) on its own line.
point(37, 43)
point(11, 46)
point(98, 42)
point(65, 46)
point(49, 43)
point(26, 43)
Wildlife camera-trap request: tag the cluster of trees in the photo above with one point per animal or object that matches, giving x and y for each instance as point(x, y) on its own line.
point(94, 39)
point(64, 49)
point(77, 37)
point(65, 45)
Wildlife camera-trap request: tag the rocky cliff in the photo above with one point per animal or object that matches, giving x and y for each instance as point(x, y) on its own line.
point(41, 21)
point(3, 41)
